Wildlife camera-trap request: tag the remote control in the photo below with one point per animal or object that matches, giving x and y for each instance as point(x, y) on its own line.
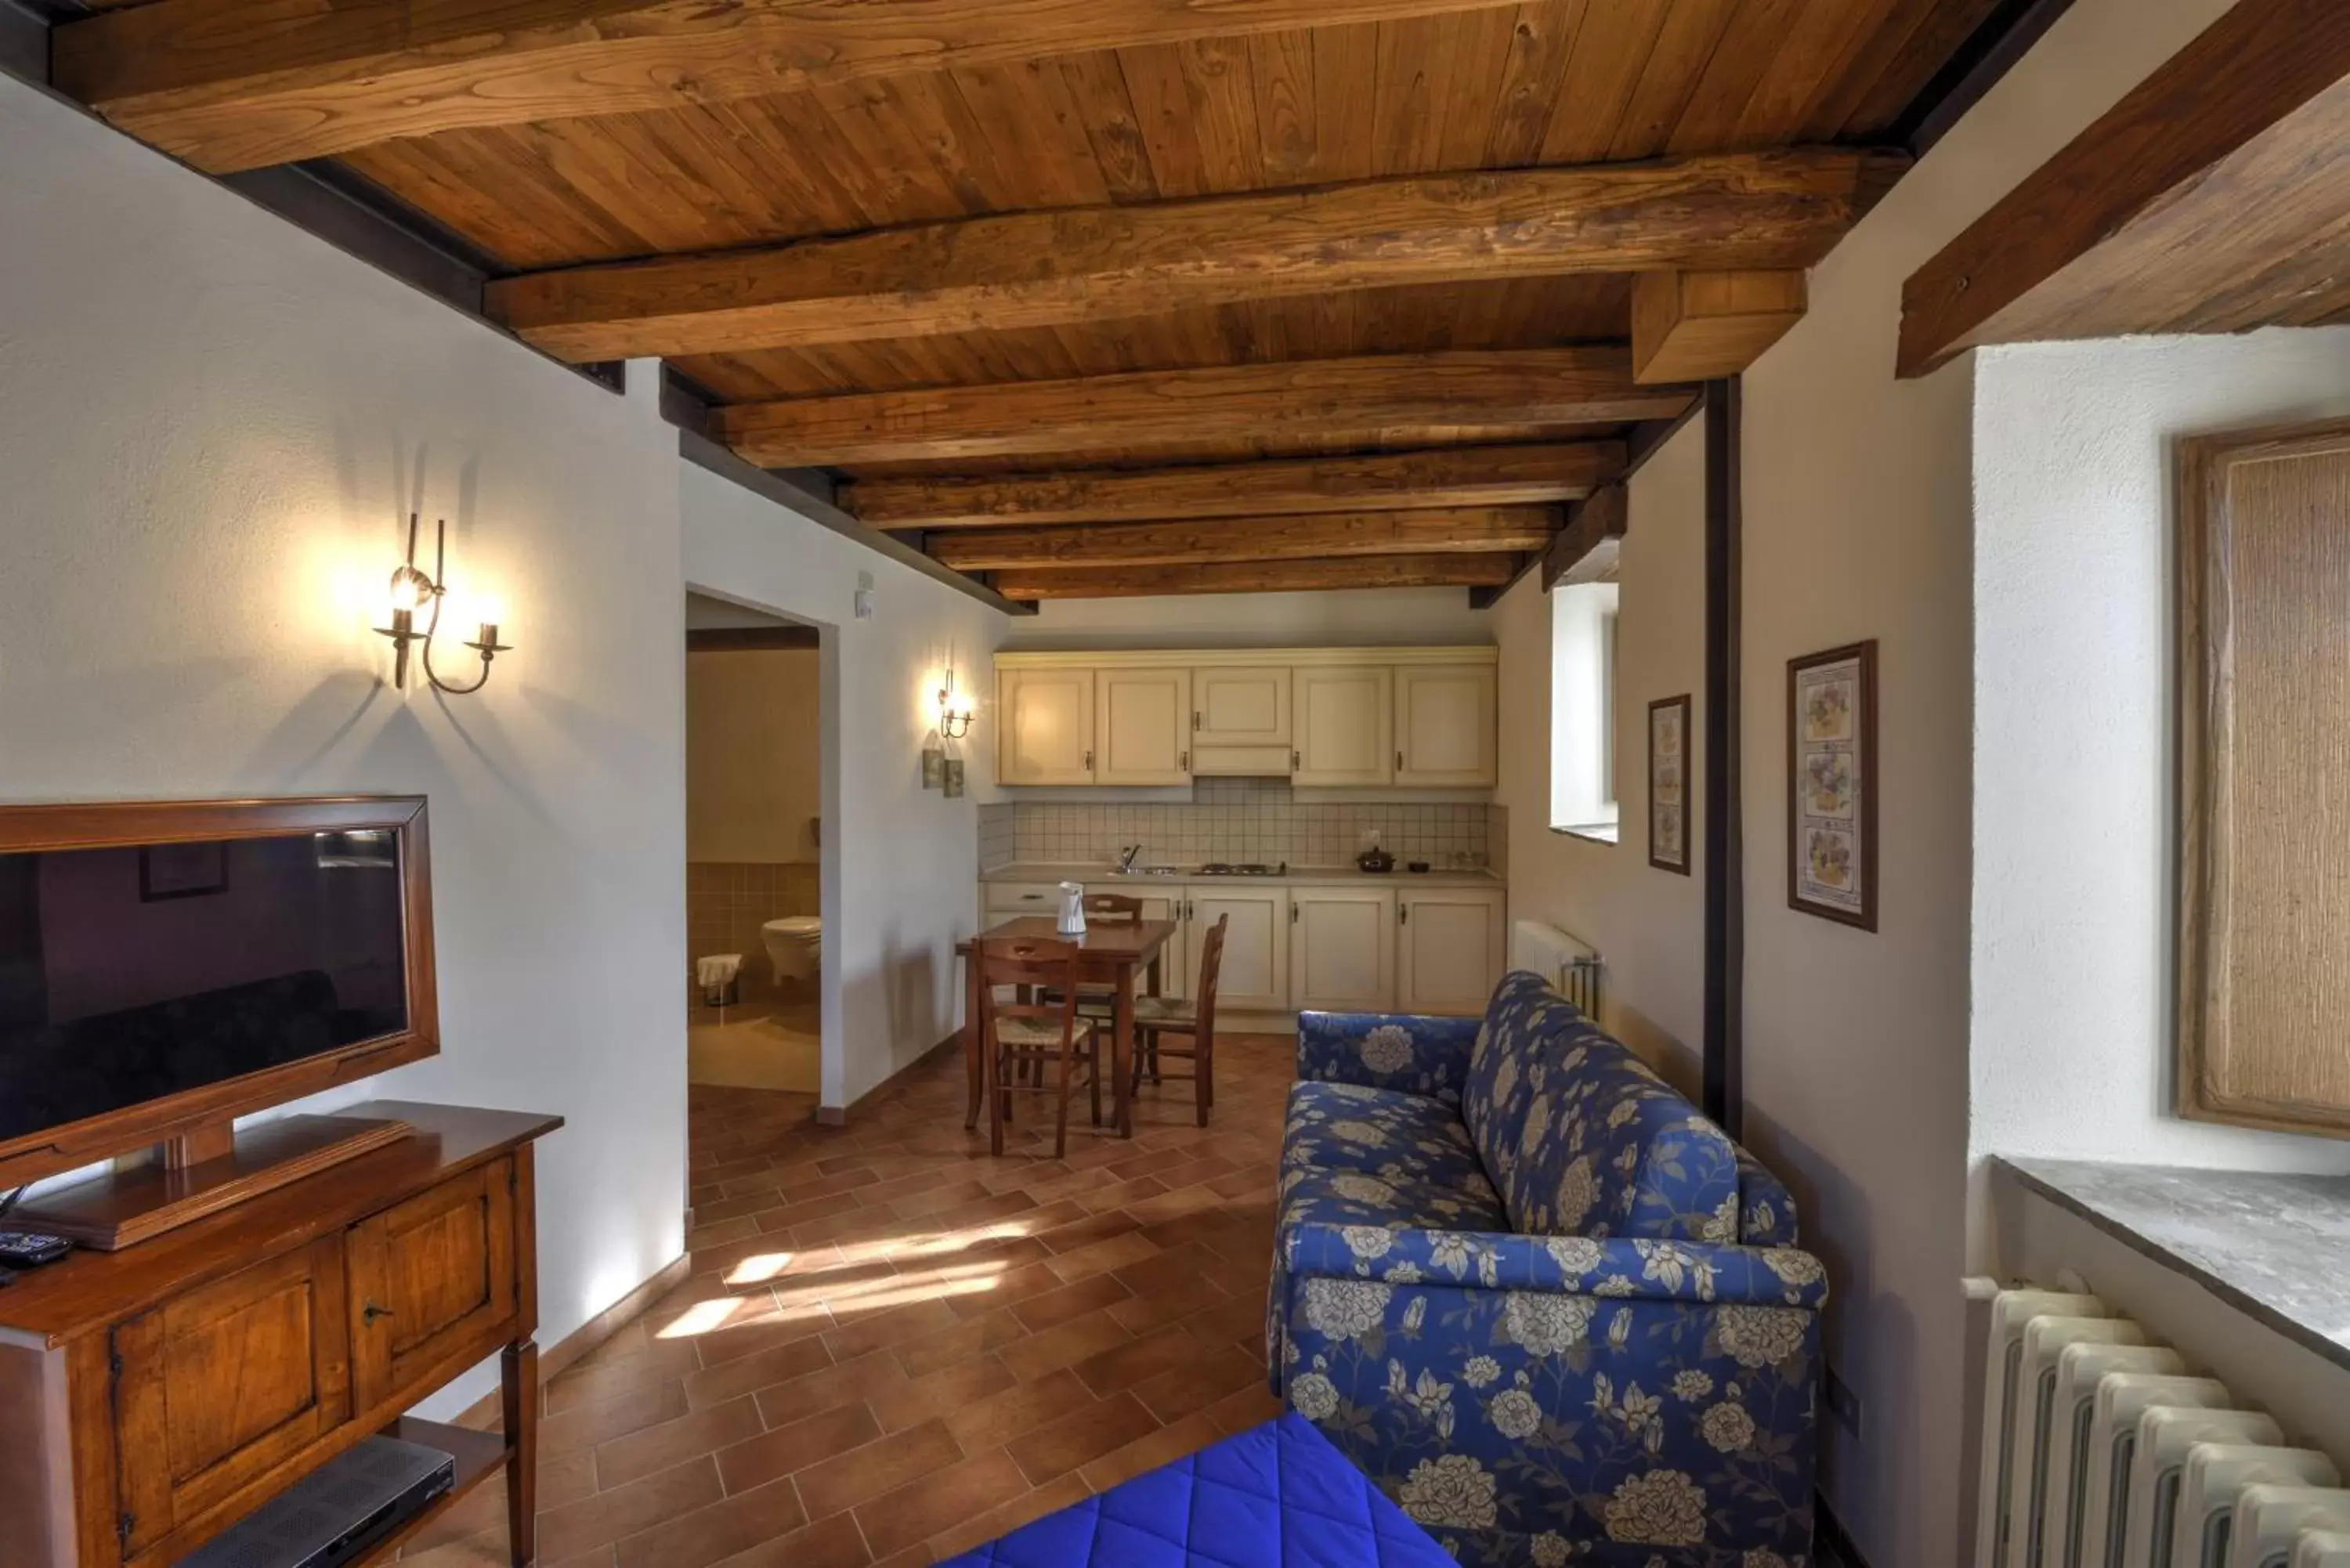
point(22, 1250)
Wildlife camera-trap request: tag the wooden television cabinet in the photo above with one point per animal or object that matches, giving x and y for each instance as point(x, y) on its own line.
point(151, 1398)
point(255, 1301)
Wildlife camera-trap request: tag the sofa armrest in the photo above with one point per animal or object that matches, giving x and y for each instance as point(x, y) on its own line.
point(1427, 1056)
point(1687, 1271)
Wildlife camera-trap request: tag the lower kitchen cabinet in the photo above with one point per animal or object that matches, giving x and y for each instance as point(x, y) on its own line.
point(1342, 948)
point(1255, 973)
point(1451, 944)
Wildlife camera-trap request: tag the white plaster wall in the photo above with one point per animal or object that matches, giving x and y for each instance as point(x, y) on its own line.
point(1858, 526)
point(900, 863)
point(2075, 736)
point(1366, 618)
point(1646, 923)
point(212, 427)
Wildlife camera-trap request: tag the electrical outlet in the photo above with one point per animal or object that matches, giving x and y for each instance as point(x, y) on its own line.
point(1841, 1402)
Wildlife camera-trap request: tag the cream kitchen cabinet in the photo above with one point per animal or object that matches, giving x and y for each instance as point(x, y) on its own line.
point(1241, 720)
point(1045, 726)
point(1142, 718)
point(1450, 946)
point(1342, 948)
point(1255, 973)
point(1445, 726)
point(1345, 726)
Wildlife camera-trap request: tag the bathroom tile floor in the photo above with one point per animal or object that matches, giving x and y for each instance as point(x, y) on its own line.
point(893, 1347)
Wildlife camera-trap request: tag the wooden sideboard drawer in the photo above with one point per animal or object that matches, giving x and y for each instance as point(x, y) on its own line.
point(431, 1281)
point(220, 1387)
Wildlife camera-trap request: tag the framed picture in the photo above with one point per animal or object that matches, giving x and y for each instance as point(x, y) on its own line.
point(1832, 785)
point(190, 870)
point(1669, 783)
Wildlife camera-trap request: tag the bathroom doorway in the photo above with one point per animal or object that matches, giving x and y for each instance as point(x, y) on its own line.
point(755, 843)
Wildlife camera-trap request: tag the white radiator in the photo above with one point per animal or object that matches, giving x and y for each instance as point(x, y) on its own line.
point(2101, 1449)
point(1568, 962)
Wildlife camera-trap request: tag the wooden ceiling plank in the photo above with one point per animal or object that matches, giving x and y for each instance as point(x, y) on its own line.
point(1388, 396)
point(228, 85)
point(2223, 166)
point(1473, 530)
point(1444, 477)
point(1700, 326)
point(1769, 209)
point(1257, 577)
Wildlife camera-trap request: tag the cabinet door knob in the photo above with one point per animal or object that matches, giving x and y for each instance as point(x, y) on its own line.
point(369, 1313)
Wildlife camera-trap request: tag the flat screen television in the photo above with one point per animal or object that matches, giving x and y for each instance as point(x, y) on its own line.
point(166, 968)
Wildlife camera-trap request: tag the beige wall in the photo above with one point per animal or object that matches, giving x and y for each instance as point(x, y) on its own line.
point(1645, 922)
point(753, 755)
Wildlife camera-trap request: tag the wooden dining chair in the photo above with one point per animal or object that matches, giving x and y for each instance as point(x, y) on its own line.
point(1158, 1017)
point(1094, 999)
point(1023, 1038)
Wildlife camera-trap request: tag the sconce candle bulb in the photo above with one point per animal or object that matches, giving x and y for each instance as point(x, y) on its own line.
point(412, 589)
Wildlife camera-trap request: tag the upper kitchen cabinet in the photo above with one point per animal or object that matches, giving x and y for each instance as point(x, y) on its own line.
point(1045, 726)
point(1444, 719)
point(1323, 717)
point(1144, 720)
point(1240, 720)
point(1345, 726)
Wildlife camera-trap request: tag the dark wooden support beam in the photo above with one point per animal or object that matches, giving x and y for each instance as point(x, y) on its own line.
point(229, 84)
point(1391, 397)
point(1367, 481)
point(1331, 536)
point(1725, 848)
point(1779, 209)
point(2211, 199)
point(1256, 577)
point(1585, 551)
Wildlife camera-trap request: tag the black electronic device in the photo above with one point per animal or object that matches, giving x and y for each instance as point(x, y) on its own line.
point(22, 1249)
point(338, 1513)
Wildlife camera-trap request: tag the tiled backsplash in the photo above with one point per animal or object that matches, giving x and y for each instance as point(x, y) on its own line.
point(726, 903)
point(1240, 819)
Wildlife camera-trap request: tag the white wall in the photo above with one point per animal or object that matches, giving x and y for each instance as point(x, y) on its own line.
point(2074, 753)
point(1857, 525)
point(1368, 618)
point(1646, 923)
point(900, 863)
point(212, 427)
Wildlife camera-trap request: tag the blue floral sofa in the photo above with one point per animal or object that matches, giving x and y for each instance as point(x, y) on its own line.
point(1554, 1312)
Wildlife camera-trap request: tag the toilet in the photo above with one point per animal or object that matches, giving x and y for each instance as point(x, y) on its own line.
point(794, 947)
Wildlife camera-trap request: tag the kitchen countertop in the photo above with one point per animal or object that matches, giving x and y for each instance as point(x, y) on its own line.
point(1098, 874)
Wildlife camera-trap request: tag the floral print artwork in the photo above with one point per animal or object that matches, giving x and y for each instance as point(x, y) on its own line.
point(1548, 1307)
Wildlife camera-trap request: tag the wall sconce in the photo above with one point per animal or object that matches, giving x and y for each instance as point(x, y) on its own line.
point(412, 590)
point(954, 711)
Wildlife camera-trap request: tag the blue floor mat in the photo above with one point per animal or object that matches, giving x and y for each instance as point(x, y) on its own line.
point(1278, 1496)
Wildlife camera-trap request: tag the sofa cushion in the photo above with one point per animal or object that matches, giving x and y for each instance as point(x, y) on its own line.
point(1355, 1200)
point(1380, 1132)
point(1580, 1139)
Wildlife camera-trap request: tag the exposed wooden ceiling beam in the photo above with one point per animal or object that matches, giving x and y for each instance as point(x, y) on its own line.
point(230, 85)
point(1477, 530)
point(1397, 396)
point(1781, 209)
point(2210, 199)
point(1256, 576)
point(1371, 482)
point(1701, 326)
point(1585, 552)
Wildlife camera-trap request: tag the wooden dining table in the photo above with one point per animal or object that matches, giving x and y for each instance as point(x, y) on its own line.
point(1111, 953)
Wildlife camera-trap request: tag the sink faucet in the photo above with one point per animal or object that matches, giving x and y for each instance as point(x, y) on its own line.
point(1126, 858)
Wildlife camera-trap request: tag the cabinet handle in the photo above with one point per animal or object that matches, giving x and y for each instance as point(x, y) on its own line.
point(1293, 914)
point(369, 1313)
point(1399, 762)
point(1296, 762)
point(1196, 725)
point(1183, 764)
point(1403, 914)
point(1089, 762)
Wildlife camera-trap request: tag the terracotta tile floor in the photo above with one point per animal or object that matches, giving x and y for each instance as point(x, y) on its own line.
point(894, 1346)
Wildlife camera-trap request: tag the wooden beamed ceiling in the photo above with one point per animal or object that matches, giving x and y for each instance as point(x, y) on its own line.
point(1120, 297)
